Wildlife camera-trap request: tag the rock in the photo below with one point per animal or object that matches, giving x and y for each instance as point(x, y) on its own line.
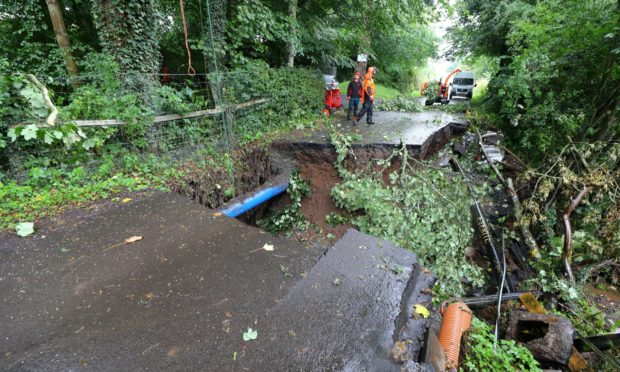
point(399, 353)
point(494, 153)
point(548, 337)
point(459, 149)
point(441, 162)
point(459, 128)
point(490, 138)
point(435, 354)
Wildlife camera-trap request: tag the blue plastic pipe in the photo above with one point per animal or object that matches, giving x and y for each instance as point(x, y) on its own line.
point(255, 200)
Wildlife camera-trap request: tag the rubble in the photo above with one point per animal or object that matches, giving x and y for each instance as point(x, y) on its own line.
point(548, 337)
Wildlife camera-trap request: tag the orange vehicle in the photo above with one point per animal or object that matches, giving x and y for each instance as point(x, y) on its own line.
point(423, 88)
point(444, 89)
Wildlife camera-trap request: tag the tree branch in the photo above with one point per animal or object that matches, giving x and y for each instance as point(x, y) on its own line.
point(51, 118)
point(528, 237)
point(568, 250)
point(507, 182)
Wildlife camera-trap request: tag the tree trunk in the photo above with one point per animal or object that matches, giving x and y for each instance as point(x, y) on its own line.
point(62, 38)
point(292, 14)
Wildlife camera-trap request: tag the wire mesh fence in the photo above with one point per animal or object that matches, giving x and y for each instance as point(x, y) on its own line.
point(168, 117)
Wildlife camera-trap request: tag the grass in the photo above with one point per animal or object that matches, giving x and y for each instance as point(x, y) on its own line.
point(385, 92)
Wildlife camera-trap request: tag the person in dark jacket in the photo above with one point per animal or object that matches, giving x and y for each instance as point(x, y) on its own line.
point(354, 92)
point(368, 97)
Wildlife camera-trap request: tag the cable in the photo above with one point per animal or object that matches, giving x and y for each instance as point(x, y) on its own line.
point(190, 69)
point(482, 223)
point(499, 298)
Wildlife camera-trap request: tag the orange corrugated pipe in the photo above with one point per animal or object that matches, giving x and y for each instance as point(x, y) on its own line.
point(456, 320)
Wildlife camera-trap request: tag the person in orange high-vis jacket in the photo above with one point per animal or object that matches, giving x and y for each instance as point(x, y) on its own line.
point(368, 97)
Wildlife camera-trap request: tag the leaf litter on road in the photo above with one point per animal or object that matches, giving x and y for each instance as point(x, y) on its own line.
point(250, 334)
point(129, 240)
point(24, 229)
point(266, 248)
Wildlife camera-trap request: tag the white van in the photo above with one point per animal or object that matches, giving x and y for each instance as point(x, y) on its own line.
point(462, 85)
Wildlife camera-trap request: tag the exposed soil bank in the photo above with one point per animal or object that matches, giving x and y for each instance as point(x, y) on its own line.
point(316, 165)
point(213, 183)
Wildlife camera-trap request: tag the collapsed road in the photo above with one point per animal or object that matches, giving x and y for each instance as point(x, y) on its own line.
point(164, 283)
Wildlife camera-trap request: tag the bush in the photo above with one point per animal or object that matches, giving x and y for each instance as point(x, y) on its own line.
point(483, 354)
point(405, 104)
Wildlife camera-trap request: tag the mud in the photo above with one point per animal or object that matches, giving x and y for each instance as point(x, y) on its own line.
point(317, 166)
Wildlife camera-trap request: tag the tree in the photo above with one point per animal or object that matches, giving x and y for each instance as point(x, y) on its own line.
point(559, 62)
point(400, 53)
point(292, 41)
point(62, 38)
point(483, 26)
point(128, 30)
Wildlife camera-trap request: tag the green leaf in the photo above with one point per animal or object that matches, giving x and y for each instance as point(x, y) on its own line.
point(35, 98)
point(572, 293)
point(12, 134)
point(250, 334)
point(30, 132)
point(48, 139)
point(24, 229)
point(89, 143)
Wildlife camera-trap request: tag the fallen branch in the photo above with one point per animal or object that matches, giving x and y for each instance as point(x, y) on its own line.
point(527, 235)
point(567, 253)
point(51, 118)
point(525, 231)
point(171, 117)
point(594, 269)
point(514, 156)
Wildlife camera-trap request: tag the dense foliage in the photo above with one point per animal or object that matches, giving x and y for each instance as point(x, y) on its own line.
point(483, 352)
point(128, 30)
point(411, 211)
point(559, 73)
point(555, 96)
point(45, 168)
point(147, 35)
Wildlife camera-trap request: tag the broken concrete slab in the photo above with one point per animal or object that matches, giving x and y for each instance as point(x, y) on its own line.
point(420, 132)
point(344, 314)
point(548, 337)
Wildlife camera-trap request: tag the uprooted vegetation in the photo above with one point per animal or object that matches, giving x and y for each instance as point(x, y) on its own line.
point(426, 209)
point(420, 208)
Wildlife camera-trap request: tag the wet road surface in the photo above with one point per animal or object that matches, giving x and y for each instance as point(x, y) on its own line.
point(415, 130)
point(182, 296)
